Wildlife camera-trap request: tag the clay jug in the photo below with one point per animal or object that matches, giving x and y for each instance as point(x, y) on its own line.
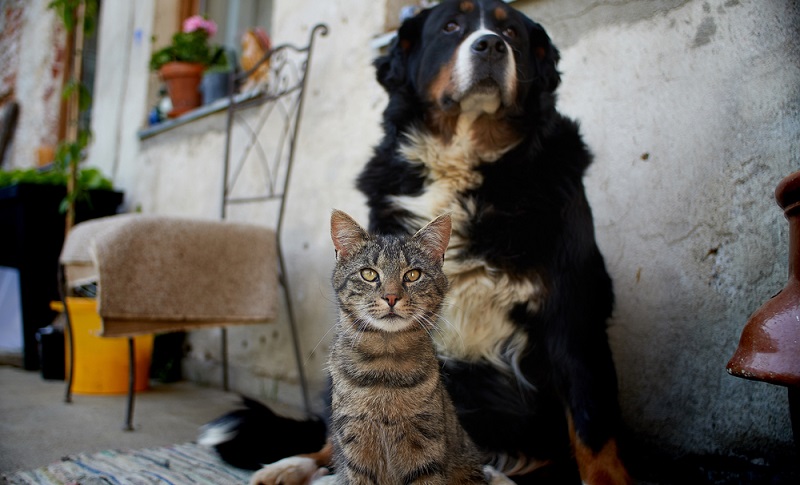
point(769, 348)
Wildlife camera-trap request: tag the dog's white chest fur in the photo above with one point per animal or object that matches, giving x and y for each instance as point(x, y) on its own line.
point(475, 322)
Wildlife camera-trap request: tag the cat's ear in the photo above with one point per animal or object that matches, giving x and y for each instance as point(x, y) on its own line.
point(347, 235)
point(435, 236)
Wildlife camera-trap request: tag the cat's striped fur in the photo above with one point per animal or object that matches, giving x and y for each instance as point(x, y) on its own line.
point(392, 420)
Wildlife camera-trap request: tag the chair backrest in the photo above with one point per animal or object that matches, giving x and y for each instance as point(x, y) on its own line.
point(261, 133)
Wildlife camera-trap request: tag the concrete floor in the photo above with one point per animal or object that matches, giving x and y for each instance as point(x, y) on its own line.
point(37, 427)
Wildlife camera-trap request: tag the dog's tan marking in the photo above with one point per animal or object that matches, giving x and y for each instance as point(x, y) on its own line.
point(466, 7)
point(441, 87)
point(500, 13)
point(323, 457)
point(295, 470)
point(491, 135)
point(442, 123)
point(601, 468)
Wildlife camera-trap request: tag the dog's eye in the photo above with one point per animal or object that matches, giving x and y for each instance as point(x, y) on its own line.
point(451, 27)
point(510, 32)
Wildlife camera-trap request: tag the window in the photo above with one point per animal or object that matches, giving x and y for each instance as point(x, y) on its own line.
point(234, 17)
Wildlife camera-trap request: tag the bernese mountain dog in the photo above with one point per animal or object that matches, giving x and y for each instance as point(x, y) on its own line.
point(471, 129)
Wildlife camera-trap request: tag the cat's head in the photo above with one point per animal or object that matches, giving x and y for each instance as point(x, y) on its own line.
point(389, 283)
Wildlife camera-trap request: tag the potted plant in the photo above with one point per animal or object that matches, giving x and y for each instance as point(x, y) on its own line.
point(182, 63)
point(32, 221)
point(215, 81)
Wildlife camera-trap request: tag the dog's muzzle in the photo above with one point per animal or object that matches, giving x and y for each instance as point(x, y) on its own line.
point(485, 67)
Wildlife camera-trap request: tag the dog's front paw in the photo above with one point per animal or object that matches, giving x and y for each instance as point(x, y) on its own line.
point(294, 470)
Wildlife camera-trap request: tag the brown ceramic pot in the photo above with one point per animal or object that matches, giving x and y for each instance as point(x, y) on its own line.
point(769, 348)
point(183, 85)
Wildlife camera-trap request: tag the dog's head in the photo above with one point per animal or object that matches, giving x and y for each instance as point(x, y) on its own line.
point(470, 55)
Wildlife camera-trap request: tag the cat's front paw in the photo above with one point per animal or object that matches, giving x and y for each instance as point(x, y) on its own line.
point(494, 477)
point(295, 470)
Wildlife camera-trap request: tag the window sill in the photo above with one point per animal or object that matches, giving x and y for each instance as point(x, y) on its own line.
point(195, 114)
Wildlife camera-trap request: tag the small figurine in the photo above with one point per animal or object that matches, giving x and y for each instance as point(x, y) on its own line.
point(255, 44)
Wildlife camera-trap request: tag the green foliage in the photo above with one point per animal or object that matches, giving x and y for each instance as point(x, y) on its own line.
point(69, 153)
point(84, 96)
point(91, 178)
point(66, 9)
point(219, 62)
point(189, 47)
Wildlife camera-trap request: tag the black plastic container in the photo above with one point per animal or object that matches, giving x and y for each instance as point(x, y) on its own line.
point(32, 231)
point(50, 341)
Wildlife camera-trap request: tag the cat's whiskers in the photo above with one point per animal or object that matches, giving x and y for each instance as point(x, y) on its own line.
point(363, 322)
point(319, 342)
point(424, 324)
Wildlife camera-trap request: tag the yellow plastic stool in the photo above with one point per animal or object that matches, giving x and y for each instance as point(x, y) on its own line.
point(101, 363)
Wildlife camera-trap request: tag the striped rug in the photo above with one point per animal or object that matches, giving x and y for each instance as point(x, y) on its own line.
point(181, 464)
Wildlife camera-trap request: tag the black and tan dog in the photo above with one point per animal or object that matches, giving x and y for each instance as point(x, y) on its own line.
point(471, 129)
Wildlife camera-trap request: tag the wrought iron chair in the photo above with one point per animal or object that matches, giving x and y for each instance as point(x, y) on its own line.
point(124, 250)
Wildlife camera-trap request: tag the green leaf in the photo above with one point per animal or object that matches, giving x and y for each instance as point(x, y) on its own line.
point(84, 98)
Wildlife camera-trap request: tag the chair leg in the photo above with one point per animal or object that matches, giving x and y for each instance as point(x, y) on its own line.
point(62, 289)
point(293, 327)
point(131, 384)
point(224, 352)
point(794, 415)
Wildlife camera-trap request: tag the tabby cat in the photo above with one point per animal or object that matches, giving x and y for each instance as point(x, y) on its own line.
point(392, 420)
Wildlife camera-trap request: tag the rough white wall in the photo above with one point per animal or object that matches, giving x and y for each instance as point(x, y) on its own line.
point(178, 172)
point(691, 108)
point(693, 112)
point(37, 85)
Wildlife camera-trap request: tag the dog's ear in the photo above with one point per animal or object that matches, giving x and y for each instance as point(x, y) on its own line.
point(392, 69)
point(544, 57)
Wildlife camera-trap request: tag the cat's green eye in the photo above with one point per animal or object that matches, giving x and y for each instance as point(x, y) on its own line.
point(369, 274)
point(413, 275)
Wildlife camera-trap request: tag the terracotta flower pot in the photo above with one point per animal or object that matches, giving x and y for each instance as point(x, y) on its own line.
point(183, 85)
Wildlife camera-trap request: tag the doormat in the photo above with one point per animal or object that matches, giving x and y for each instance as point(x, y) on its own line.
point(187, 463)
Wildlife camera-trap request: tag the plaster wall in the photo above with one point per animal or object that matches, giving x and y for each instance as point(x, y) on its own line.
point(692, 109)
point(178, 172)
point(693, 112)
point(32, 65)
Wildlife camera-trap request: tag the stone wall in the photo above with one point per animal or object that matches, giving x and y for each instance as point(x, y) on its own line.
point(692, 109)
point(32, 63)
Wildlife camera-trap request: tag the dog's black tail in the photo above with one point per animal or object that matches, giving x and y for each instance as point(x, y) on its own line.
point(254, 436)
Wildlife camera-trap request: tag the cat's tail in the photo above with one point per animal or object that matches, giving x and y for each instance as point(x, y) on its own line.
point(254, 435)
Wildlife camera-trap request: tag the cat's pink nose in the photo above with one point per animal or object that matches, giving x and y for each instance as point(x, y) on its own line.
point(391, 299)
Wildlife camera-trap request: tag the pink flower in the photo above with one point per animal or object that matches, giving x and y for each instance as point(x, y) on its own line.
point(197, 22)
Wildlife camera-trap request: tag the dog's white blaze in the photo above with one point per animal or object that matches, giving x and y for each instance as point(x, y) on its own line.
point(477, 324)
point(463, 76)
point(476, 317)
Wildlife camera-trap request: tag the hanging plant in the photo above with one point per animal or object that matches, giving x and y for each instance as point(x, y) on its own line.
point(80, 20)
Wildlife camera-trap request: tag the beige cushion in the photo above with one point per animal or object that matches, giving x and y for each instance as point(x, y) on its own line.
point(158, 274)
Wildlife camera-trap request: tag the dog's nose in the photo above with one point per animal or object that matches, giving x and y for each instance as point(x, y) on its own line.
point(489, 46)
